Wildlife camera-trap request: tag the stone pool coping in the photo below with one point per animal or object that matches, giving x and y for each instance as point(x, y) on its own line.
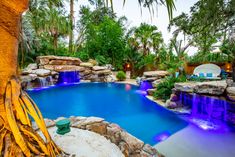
point(129, 145)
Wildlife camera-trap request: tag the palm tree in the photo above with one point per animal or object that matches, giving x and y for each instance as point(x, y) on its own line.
point(150, 5)
point(146, 38)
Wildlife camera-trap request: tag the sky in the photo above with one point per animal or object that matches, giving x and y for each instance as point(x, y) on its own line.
point(132, 11)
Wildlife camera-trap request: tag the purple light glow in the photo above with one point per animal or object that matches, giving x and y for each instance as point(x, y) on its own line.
point(127, 87)
point(207, 113)
point(162, 136)
point(68, 77)
point(145, 85)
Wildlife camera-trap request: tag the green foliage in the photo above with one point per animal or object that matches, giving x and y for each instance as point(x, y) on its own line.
point(121, 76)
point(104, 36)
point(228, 49)
point(145, 38)
point(207, 22)
point(209, 58)
point(101, 60)
point(164, 88)
point(82, 55)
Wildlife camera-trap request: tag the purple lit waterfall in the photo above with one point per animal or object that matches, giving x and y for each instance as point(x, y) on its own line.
point(145, 85)
point(208, 113)
point(68, 77)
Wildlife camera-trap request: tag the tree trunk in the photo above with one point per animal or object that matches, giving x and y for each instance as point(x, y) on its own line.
point(55, 42)
point(71, 26)
point(17, 137)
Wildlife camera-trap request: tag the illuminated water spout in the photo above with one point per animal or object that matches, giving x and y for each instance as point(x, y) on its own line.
point(145, 85)
point(68, 77)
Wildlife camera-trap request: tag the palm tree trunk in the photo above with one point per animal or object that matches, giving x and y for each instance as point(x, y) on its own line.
point(55, 42)
point(71, 26)
point(16, 134)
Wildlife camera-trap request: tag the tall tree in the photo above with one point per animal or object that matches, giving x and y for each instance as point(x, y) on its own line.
point(146, 38)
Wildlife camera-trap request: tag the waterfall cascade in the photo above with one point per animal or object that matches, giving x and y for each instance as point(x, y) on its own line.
point(68, 77)
point(45, 81)
point(145, 85)
point(207, 112)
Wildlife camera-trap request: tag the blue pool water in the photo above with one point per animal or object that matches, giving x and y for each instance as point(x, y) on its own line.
point(119, 103)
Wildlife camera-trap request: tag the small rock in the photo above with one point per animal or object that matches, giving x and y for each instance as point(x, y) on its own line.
point(171, 105)
point(151, 91)
point(133, 142)
point(229, 82)
point(185, 87)
point(124, 148)
point(100, 128)
point(159, 74)
point(98, 68)
point(32, 66)
point(102, 72)
point(86, 64)
point(231, 93)
point(156, 82)
point(93, 62)
point(42, 72)
point(150, 150)
point(49, 123)
point(174, 97)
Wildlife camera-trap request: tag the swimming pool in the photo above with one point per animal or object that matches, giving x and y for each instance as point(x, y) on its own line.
point(119, 103)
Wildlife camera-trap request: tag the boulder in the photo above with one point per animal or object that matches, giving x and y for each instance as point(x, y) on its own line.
point(41, 72)
point(27, 71)
point(61, 68)
point(174, 98)
point(133, 142)
point(230, 82)
point(171, 104)
point(158, 74)
point(93, 62)
point(149, 79)
point(150, 150)
point(98, 68)
point(54, 73)
point(32, 66)
point(44, 60)
point(151, 91)
point(212, 87)
point(231, 93)
point(86, 64)
point(185, 87)
point(102, 72)
point(28, 78)
point(64, 62)
point(156, 82)
point(100, 128)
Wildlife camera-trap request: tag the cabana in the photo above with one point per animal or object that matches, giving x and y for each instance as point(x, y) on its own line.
point(208, 71)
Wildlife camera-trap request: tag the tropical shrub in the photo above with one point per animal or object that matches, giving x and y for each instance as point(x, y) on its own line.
point(102, 60)
point(164, 88)
point(84, 56)
point(121, 76)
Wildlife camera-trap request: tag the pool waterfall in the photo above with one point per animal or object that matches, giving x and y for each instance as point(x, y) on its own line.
point(68, 77)
point(207, 112)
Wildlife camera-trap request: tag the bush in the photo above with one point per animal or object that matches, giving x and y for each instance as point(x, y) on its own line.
point(164, 88)
point(121, 76)
point(84, 56)
point(101, 60)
